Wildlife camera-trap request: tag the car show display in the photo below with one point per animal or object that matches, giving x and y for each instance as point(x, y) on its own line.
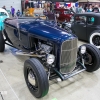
point(52, 50)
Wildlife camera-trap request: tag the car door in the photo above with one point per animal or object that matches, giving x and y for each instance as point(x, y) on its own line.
point(79, 26)
point(91, 26)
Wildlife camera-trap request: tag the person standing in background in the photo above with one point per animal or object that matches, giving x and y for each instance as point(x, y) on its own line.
point(80, 9)
point(51, 6)
point(45, 6)
point(57, 4)
point(92, 7)
point(77, 11)
point(4, 7)
point(12, 11)
point(95, 9)
point(18, 13)
point(89, 9)
point(27, 11)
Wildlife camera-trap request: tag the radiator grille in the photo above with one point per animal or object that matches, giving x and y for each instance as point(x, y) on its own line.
point(68, 56)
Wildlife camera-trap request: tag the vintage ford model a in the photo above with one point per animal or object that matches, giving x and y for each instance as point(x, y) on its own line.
point(53, 52)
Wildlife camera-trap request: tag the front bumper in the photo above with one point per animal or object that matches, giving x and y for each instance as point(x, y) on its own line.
point(63, 77)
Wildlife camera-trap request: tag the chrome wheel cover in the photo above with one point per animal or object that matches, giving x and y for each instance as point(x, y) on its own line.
point(31, 78)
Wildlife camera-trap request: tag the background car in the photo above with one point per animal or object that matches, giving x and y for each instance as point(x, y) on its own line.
point(87, 27)
point(3, 16)
point(63, 15)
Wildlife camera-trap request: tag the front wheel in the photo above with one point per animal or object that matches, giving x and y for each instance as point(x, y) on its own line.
point(92, 58)
point(36, 77)
point(95, 39)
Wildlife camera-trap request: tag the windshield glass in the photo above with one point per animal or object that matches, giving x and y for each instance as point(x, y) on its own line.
point(3, 14)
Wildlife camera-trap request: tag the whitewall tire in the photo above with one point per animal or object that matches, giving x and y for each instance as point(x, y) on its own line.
point(95, 39)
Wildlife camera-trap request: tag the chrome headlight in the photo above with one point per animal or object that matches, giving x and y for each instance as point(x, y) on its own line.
point(50, 59)
point(83, 49)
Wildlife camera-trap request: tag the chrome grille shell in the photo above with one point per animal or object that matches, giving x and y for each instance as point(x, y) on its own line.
point(68, 55)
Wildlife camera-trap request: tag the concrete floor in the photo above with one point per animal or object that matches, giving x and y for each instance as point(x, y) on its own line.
point(85, 86)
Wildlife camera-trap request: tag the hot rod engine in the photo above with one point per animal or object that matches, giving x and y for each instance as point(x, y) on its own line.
point(68, 55)
point(46, 48)
point(45, 51)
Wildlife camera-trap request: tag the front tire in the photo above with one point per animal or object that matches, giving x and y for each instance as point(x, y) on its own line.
point(92, 58)
point(95, 39)
point(36, 77)
point(2, 42)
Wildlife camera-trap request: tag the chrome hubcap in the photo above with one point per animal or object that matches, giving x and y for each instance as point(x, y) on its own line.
point(31, 78)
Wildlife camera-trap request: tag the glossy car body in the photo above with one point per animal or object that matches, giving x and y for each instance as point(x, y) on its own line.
point(49, 46)
point(64, 15)
point(44, 30)
point(85, 27)
point(3, 16)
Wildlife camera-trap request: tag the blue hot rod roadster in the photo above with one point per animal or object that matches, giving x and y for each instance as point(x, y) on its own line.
point(53, 52)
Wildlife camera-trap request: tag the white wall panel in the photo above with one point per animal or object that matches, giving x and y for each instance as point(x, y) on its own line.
point(8, 3)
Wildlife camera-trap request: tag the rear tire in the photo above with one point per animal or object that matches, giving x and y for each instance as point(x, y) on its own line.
point(92, 58)
point(38, 82)
point(2, 42)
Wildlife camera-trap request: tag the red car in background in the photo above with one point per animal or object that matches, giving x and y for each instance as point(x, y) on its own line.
point(64, 15)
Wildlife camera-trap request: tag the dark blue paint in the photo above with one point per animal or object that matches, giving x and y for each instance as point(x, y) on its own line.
point(47, 30)
point(40, 29)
